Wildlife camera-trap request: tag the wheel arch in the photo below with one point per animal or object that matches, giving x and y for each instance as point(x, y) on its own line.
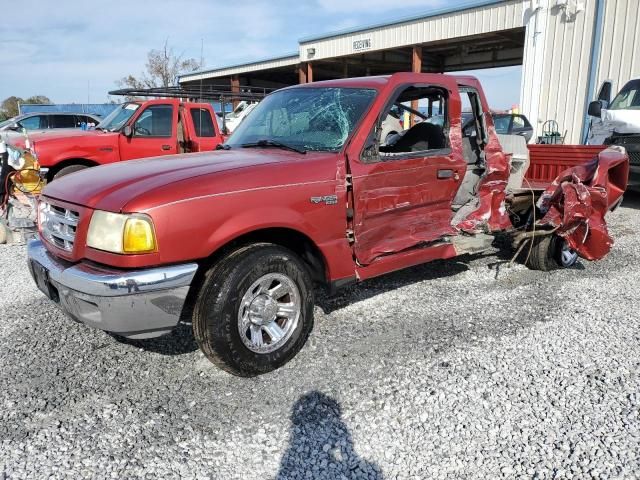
point(296, 241)
point(292, 239)
point(67, 163)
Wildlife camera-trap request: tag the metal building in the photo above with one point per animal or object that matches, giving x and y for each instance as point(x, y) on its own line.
point(566, 49)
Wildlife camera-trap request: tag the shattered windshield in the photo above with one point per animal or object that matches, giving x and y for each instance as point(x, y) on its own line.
point(305, 118)
point(116, 119)
point(628, 98)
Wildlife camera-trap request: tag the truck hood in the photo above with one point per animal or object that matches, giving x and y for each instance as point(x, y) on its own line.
point(614, 121)
point(56, 134)
point(622, 121)
point(115, 187)
point(57, 144)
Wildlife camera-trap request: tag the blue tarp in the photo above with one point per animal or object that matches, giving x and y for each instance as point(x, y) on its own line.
point(100, 109)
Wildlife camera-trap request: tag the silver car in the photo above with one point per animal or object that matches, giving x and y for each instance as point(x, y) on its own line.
point(46, 121)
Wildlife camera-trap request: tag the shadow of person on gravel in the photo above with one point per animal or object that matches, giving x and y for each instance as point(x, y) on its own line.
point(320, 445)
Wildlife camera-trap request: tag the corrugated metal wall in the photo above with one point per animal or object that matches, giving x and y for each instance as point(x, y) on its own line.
point(566, 68)
point(567, 56)
point(620, 59)
point(501, 16)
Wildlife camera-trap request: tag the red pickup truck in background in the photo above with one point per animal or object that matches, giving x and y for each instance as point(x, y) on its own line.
point(306, 191)
point(135, 129)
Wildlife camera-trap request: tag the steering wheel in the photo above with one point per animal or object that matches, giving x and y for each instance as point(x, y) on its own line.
point(142, 130)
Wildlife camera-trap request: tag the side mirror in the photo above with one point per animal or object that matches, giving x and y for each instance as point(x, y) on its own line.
point(595, 108)
point(127, 131)
point(371, 153)
point(14, 127)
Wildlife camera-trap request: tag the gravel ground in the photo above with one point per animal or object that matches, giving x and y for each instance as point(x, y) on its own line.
point(459, 369)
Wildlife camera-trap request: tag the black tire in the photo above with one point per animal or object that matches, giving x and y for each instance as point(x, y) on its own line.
point(4, 234)
point(216, 313)
point(546, 254)
point(69, 169)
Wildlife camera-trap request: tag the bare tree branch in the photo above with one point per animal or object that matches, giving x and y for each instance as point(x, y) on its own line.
point(162, 69)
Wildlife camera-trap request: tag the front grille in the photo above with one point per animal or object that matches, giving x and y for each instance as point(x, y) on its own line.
point(623, 140)
point(631, 144)
point(58, 225)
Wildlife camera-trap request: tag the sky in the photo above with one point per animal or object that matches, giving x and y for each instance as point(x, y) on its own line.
point(74, 51)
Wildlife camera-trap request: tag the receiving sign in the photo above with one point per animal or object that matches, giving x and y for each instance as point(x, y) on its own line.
point(364, 44)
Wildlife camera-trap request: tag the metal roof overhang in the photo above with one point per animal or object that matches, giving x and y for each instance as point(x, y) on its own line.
point(476, 34)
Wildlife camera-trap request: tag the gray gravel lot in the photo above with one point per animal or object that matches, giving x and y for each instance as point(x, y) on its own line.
point(460, 369)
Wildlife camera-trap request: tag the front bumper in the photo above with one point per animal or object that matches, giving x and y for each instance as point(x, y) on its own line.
point(132, 303)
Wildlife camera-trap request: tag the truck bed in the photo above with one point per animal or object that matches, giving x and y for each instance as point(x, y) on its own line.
point(546, 162)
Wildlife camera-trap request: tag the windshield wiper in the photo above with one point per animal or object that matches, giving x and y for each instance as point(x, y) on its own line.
point(273, 143)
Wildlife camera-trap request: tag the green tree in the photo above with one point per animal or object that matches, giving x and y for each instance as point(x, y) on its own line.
point(10, 106)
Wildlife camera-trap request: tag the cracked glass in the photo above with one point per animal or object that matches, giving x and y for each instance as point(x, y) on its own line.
point(315, 118)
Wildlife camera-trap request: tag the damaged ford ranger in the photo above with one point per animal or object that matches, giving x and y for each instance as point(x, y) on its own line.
point(305, 191)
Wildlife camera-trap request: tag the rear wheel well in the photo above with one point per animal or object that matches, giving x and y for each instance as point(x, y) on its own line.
point(67, 163)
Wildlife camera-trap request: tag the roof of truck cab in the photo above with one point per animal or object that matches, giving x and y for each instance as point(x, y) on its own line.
point(164, 101)
point(380, 81)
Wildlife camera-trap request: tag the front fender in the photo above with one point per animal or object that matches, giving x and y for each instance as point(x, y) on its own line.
point(197, 228)
point(99, 158)
point(50, 156)
point(259, 219)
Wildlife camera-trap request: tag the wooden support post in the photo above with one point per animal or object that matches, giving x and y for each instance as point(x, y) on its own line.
point(416, 67)
point(235, 88)
point(416, 60)
point(309, 72)
point(302, 73)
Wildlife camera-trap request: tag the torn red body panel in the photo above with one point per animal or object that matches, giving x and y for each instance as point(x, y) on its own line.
point(577, 201)
point(406, 201)
point(491, 214)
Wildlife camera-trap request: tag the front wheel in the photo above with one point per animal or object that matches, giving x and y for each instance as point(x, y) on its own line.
point(5, 234)
point(255, 310)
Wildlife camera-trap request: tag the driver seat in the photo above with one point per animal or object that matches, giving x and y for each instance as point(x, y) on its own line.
point(422, 136)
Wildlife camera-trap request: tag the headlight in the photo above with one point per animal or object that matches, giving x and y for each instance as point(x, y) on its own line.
point(121, 233)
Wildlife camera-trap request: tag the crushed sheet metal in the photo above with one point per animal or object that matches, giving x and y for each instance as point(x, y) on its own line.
point(579, 198)
point(491, 214)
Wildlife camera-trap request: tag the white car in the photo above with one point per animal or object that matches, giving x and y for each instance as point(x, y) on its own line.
point(620, 116)
point(233, 119)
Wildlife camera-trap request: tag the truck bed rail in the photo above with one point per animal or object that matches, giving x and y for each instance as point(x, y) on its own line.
point(546, 162)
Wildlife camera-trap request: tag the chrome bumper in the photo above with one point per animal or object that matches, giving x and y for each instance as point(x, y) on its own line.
point(132, 303)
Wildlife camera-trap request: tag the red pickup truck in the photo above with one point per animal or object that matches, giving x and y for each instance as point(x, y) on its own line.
point(304, 191)
point(133, 130)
